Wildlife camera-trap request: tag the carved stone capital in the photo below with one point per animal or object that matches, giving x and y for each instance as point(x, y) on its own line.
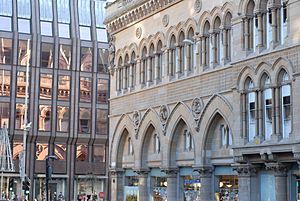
point(279, 169)
point(142, 172)
point(116, 172)
point(204, 171)
point(170, 172)
point(245, 170)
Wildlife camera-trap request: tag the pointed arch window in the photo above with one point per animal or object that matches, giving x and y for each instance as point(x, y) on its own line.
point(159, 61)
point(188, 141)
point(172, 56)
point(226, 137)
point(143, 66)
point(285, 99)
point(226, 39)
point(251, 107)
point(206, 44)
point(156, 144)
point(216, 43)
point(267, 102)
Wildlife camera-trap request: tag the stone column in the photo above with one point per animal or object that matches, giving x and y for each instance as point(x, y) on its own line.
point(214, 49)
point(260, 31)
point(117, 185)
point(171, 184)
point(157, 68)
point(277, 112)
point(187, 64)
point(143, 68)
point(178, 60)
point(124, 77)
point(280, 173)
point(244, 117)
point(259, 110)
point(143, 187)
point(274, 27)
point(170, 62)
point(203, 60)
point(225, 46)
point(149, 70)
point(274, 101)
point(206, 183)
point(246, 33)
point(130, 75)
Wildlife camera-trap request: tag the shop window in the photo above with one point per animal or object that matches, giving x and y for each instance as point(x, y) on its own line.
point(131, 188)
point(41, 151)
point(130, 147)
point(228, 188)
point(84, 120)
point(63, 87)
point(47, 55)
point(63, 13)
point(84, 19)
point(102, 91)
point(191, 188)
point(19, 120)
point(23, 52)
point(45, 118)
point(17, 150)
point(65, 55)
point(4, 114)
point(156, 144)
point(46, 16)
point(99, 153)
point(24, 16)
point(86, 61)
point(102, 122)
point(267, 100)
point(5, 15)
point(45, 86)
point(82, 152)
point(102, 60)
point(5, 50)
point(226, 137)
point(60, 151)
point(85, 89)
point(159, 190)
point(63, 118)
point(21, 84)
point(188, 141)
point(4, 83)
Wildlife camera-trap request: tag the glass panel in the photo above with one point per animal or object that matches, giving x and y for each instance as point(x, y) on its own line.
point(267, 187)
point(84, 12)
point(24, 26)
point(99, 153)
point(4, 83)
point(46, 10)
point(251, 116)
point(86, 62)
point(46, 28)
point(17, 149)
point(65, 57)
point(85, 89)
point(82, 152)
point(84, 120)
point(6, 7)
point(228, 188)
point(21, 84)
point(286, 111)
point(100, 13)
point(45, 118)
point(102, 60)
point(102, 35)
point(63, 11)
point(19, 121)
point(60, 151)
point(46, 55)
point(46, 86)
point(268, 113)
point(4, 114)
point(5, 51)
point(41, 151)
point(85, 33)
point(64, 30)
point(22, 53)
point(102, 120)
point(102, 91)
point(63, 87)
point(62, 118)
point(5, 23)
point(24, 10)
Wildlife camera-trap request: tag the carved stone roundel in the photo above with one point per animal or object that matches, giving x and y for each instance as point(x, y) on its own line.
point(165, 20)
point(163, 113)
point(198, 6)
point(138, 32)
point(136, 118)
point(196, 107)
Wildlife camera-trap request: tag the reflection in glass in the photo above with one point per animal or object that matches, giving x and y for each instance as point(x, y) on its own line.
point(102, 60)
point(22, 53)
point(85, 89)
point(60, 151)
point(99, 153)
point(41, 151)
point(82, 152)
point(62, 118)
point(46, 17)
point(17, 149)
point(5, 23)
point(46, 28)
point(84, 120)
point(45, 86)
point(46, 55)
point(85, 33)
point(24, 25)
point(45, 118)
point(102, 119)
point(102, 90)
point(4, 114)
point(24, 15)
point(63, 87)
point(21, 84)
point(63, 12)
point(64, 30)
point(65, 57)
point(19, 121)
point(86, 63)
point(5, 50)
point(4, 83)
point(6, 7)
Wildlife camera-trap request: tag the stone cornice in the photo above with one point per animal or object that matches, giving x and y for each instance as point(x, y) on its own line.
point(122, 13)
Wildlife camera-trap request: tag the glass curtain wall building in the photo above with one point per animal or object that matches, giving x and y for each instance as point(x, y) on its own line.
point(68, 95)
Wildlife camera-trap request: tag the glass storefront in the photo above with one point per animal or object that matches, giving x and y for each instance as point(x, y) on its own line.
point(159, 188)
point(90, 188)
point(191, 187)
point(228, 188)
point(131, 190)
point(57, 189)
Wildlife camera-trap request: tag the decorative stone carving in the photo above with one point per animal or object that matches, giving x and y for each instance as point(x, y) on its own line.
point(138, 32)
point(198, 6)
point(163, 113)
point(278, 168)
point(170, 171)
point(197, 106)
point(111, 56)
point(245, 169)
point(136, 121)
point(204, 171)
point(165, 20)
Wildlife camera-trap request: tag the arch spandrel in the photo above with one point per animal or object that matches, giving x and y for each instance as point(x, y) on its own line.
point(285, 64)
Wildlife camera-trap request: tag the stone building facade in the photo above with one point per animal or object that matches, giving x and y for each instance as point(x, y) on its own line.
point(68, 95)
point(204, 100)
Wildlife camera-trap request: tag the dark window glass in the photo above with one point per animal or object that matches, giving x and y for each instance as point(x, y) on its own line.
point(17, 149)
point(46, 17)
point(4, 114)
point(85, 89)
point(21, 84)
point(46, 86)
point(84, 120)
point(102, 63)
point(86, 63)
point(63, 11)
point(47, 55)
point(62, 118)
point(65, 57)
point(4, 83)
point(63, 87)
point(5, 51)
point(19, 121)
point(102, 120)
point(102, 91)
point(45, 118)
point(60, 151)
point(24, 15)
point(99, 153)
point(23, 53)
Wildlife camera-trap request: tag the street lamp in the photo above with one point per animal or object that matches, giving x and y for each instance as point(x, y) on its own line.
point(48, 173)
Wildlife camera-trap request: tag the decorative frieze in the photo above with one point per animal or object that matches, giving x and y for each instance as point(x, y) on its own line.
point(280, 169)
point(245, 170)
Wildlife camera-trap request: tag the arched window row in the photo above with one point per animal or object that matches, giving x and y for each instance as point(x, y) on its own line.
point(267, 108)
point(264, 25)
